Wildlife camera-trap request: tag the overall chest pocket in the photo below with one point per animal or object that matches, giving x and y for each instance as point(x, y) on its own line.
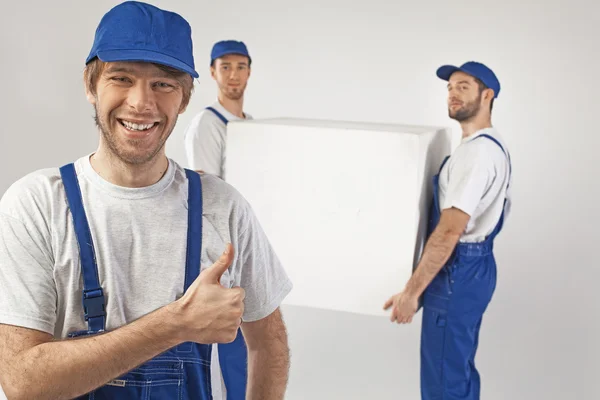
point(158, 379)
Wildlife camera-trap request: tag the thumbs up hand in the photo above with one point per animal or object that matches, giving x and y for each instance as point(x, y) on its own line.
point(209, 312)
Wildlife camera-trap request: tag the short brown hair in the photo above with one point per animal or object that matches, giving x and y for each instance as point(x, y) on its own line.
point(94, 69)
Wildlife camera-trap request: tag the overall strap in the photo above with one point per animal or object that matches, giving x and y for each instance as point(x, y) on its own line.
point(500, 222)
point(93, 296)
point(493, 139)
point(444, 163)
point(194, 232)
point(218, 114)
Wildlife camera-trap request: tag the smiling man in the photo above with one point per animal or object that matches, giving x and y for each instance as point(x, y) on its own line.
point(457, 271)
point(119, 272)
point(206, 135)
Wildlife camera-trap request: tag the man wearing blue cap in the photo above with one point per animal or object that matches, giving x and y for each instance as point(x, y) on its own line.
point(457, 271)
point(113, 279)
point(206, 135)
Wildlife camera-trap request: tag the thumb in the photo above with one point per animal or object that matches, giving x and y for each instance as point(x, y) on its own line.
point(388, 303)
point(215, 271)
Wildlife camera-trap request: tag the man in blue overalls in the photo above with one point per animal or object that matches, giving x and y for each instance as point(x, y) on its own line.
point(113, 279)
point(457, 271)
point(206, 135)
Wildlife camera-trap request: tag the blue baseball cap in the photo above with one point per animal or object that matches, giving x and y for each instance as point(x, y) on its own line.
point(226, 47)
point(135, 31)
point(475, 69)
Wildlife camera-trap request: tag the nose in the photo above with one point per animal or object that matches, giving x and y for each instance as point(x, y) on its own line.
point(451, 92)
point(140, 98)
point(233, 74)
point(452, 96)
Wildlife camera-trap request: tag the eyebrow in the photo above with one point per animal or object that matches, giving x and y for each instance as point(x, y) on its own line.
point(459, 82)
point(229, 63)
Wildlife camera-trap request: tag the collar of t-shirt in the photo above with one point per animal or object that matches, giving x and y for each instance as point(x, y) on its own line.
point(488, 131)
point(122, 192)
point(229, 116)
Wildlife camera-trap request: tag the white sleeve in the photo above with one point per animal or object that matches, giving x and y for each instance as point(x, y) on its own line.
point(260, 272)
point(27, 290)
point(470, 174)
point(204, 144)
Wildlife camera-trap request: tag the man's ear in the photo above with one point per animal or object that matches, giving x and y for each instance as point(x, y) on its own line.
point(183, 107)
point(91, 97)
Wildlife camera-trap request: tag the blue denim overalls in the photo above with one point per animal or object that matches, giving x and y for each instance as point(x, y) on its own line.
point(182, 372)
point(453, 307)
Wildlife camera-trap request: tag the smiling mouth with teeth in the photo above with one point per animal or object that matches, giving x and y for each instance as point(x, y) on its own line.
point(137, 127)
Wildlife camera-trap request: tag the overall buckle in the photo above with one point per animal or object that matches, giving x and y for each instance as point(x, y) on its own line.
point(93, 303)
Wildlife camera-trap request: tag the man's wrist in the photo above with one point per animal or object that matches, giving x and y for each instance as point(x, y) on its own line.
point(411, 289)
point(174, 325)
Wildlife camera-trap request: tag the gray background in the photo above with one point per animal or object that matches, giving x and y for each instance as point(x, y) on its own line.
point(375, 61)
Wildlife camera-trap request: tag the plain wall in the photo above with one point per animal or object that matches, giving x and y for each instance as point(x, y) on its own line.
point(375, 61)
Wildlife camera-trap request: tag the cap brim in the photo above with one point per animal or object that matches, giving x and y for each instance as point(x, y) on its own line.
point(445, 71)
point(146, 56)
point(226, 53)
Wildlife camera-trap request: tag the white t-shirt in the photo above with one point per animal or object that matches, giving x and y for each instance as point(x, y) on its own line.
point(140, 239)
point(475, 180)
point(206, 141)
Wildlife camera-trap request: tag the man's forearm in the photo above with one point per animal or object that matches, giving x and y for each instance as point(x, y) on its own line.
point(69, 368)
point(268, 371)
point(438, 250)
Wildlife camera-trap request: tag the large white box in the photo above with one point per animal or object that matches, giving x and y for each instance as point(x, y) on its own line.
point(345, 204)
